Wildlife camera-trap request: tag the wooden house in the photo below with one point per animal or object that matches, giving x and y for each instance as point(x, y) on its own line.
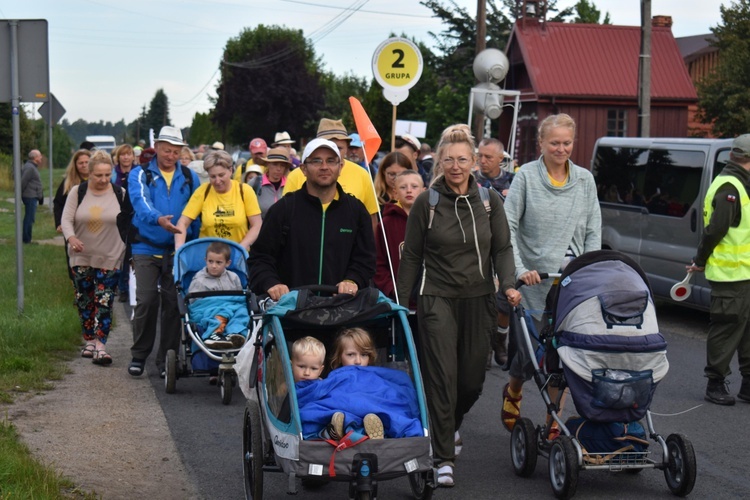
point(590, 71)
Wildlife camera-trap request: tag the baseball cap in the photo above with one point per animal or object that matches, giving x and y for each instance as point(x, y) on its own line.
point(258, 145)
point(356, 141)
point(411, 140)
point(741, 146)
point(319, 143)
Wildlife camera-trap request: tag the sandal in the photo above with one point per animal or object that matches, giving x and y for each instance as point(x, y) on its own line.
point(136, 367)
point(511, 408)
point(88, 351)
point(445, 476)
point(101, 358)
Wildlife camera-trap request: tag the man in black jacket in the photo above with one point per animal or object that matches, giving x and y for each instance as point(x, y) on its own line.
point(316, 235)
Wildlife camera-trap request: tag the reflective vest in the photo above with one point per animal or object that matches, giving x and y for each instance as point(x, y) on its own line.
point(730, 260)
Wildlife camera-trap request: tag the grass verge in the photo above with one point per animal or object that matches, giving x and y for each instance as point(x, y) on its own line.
point(34, 346)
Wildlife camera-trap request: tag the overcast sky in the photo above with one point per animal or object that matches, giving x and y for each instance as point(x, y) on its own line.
point(108, 58)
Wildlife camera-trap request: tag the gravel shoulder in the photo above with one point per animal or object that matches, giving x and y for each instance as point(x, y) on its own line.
point(104, 429)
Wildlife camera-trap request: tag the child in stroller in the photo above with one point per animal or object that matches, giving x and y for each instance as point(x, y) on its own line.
point(223, 322)
point(345, 405)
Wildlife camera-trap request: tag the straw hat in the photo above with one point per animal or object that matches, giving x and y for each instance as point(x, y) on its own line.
point(332, 129)
point(280, 155)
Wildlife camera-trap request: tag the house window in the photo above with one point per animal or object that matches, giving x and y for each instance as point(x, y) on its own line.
point(617, 123)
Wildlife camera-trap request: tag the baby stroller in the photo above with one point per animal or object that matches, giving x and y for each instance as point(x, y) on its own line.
point(272, 440)
point(194, 357)
point(604, 334)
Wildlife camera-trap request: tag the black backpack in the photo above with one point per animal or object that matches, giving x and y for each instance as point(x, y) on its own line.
point(125, 216)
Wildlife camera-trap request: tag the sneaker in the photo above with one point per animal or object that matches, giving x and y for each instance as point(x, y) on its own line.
point(237, 340)
point(744, 393)
point(717, 392)
point(336, 427)
point(445, 476)
point(459, 443)
point(373, 426)
point(218, 341)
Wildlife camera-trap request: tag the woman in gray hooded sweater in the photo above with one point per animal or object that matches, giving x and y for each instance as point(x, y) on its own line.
point(553, 214)
point(454, 240)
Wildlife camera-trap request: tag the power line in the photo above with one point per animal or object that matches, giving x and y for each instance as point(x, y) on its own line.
point(314, 38)
point(199, 92)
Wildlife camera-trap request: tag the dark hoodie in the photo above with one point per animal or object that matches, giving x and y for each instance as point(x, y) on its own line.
point(460, 248)
point(394, 222)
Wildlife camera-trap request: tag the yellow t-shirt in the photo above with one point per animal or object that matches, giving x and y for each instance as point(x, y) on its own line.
point(353, 179)
point(168, 176)
point(564, 181)
point(223, 215)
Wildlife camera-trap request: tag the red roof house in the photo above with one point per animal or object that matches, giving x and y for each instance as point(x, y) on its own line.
point(590, 72)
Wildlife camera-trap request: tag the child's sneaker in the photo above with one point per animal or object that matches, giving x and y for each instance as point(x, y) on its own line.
point(336, 427)
point(217, 341)
point(373, 426)
point(237, 340)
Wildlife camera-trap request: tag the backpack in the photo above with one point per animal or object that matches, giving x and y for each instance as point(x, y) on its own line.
point(484, 194)
point(125, 216)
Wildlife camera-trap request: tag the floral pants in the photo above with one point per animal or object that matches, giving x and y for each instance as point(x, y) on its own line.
point(95, 293)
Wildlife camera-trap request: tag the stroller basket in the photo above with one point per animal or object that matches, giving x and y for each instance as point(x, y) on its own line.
point(617, 461)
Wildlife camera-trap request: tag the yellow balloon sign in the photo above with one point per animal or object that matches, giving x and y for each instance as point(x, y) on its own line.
point(397, 64)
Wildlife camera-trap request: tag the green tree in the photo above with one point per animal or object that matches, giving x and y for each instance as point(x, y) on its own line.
point(158, 112)
point(724, 96)
point(338, 89)
point(62, 144)
point(28, 139)
point(587, 13)
point(270, 81)
point(203, 130)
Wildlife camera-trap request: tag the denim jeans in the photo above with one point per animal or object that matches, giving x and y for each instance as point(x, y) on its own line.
point(28, 217)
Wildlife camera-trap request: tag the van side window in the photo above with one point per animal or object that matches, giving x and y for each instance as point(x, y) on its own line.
point(664, 181)
point(722, 157)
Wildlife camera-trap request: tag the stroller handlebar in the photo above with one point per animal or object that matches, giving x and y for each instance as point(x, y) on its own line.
point(543, 277)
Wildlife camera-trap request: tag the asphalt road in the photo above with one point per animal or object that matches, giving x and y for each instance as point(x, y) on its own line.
point(208, 436)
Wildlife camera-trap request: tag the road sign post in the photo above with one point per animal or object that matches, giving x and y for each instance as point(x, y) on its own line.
point(397, 66)
point(51, 112)
point(24, 56)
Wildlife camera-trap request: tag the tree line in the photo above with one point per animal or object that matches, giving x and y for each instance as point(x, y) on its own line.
point(249, 104)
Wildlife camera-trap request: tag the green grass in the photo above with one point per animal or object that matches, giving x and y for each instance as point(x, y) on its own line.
point(34, 346)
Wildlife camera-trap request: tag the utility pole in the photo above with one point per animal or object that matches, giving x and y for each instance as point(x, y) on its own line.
point(481, 45)
point(644, 72)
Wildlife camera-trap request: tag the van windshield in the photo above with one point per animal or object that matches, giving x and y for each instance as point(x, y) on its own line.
point(665, 181)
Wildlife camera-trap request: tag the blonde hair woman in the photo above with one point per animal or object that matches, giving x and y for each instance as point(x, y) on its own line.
point(450, 251)
point(76, 172)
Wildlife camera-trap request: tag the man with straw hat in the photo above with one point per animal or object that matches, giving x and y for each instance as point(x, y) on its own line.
point(284, 140)
point(353, 178)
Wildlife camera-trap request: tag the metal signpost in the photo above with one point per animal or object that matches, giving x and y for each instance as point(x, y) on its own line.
point(51, 112)
point(24, 57)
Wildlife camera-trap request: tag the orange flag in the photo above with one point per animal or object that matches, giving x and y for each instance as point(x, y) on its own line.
point(368, 135)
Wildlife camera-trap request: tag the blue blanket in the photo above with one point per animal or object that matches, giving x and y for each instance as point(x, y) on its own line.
point(203, 312)
point(357, 391)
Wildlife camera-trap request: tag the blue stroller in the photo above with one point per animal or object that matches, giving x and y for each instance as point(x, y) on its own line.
point(194, 357)
point(272, 439)
point(603, 344)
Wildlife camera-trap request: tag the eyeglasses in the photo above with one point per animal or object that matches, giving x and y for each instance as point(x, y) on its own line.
point(392, 175)
point(449, 162)
point(318, 162)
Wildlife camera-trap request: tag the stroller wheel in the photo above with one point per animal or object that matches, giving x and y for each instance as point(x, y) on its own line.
point(252, 452)
point(681, 469)
point(421, 487)
point(563, 467)
point(170, 377)
point(225, 384)
point(523, 449)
